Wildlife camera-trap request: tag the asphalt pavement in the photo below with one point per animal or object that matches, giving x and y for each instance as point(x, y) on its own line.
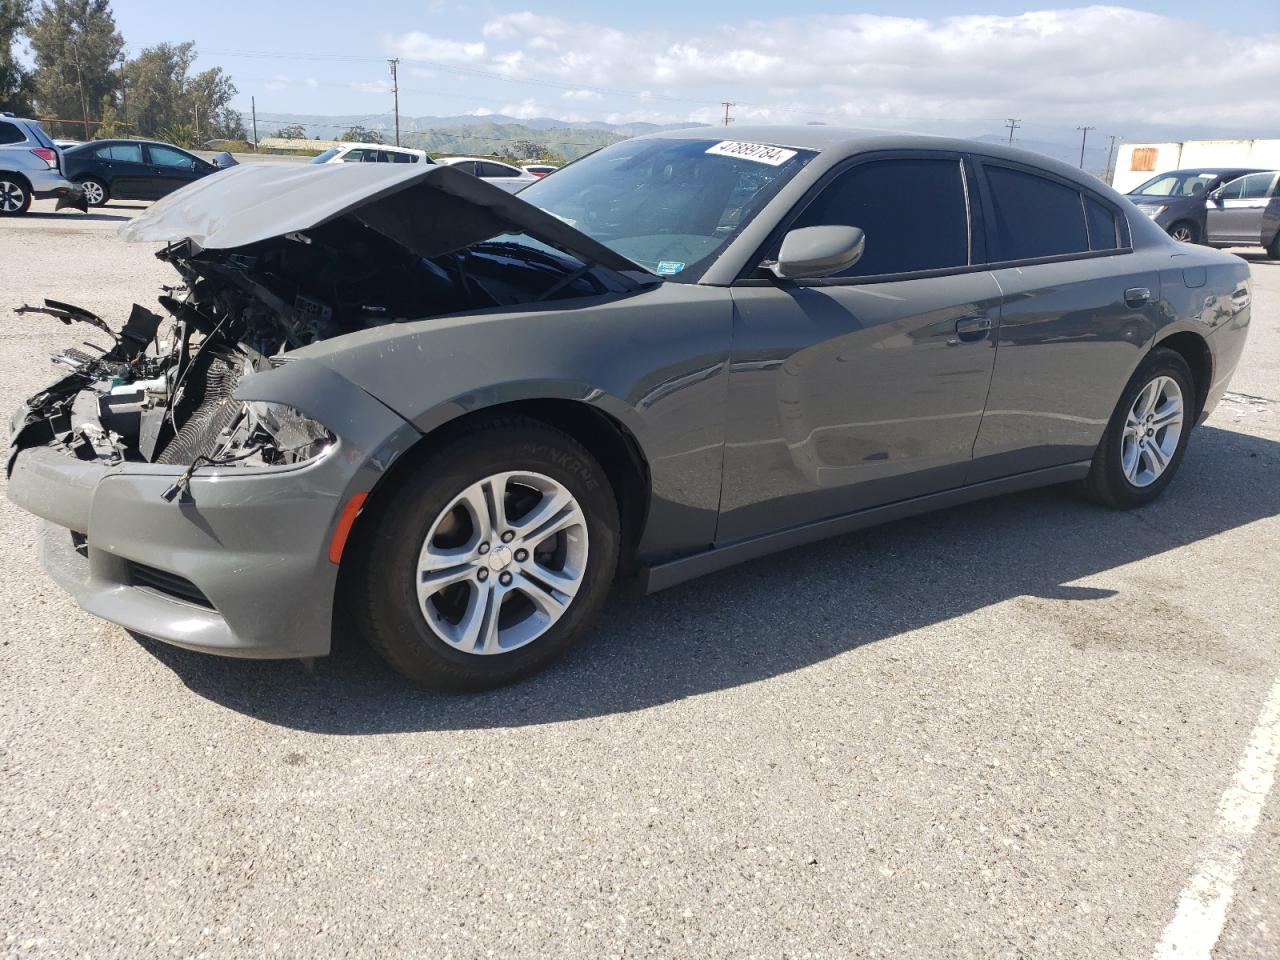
point(1004, 730)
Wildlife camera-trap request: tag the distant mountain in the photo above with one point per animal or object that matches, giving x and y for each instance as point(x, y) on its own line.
point(469, 133)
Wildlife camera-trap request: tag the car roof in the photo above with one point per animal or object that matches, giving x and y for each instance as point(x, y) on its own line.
point(505, 163)
point(846, 141)
point(377, 146)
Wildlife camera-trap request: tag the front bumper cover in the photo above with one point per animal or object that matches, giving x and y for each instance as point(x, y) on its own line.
point(253, 541)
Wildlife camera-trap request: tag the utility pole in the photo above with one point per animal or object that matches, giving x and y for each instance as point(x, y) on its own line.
point(124, 95)
point(1013, 125)
point(395, 92)
point(1084, 135)
point(196, 111)
point(253, 108)
point(84, 103)
point(726, 104)
point(1111, 151)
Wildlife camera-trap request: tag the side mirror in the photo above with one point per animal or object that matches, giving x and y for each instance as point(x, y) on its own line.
point(223, 160)
point(1216, 196)
point(811, 252)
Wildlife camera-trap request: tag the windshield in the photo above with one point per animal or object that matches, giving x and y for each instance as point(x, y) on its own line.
point(1184, 183)
point(669, 205)
point(326, 156)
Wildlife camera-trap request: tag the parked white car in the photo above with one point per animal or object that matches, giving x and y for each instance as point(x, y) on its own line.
point(509, 178)
point(371, 153)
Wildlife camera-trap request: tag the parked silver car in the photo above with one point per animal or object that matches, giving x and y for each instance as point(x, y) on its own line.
point(1245, 212)
point(30, 165)
point(509, 178)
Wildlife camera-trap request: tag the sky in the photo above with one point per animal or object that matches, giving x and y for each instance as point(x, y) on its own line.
point(906, 64)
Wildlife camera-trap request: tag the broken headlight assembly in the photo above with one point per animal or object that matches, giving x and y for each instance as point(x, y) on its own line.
point(284, 435)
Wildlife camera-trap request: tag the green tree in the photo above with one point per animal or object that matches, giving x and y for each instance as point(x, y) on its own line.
point(75, 43)
point(16, 87)
point(294, 131)
point(163, 95)
point(359, 134)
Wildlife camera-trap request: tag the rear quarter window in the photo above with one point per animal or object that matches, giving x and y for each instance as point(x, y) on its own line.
point(1034, 216)
point(11, 133)
point(1104, 228)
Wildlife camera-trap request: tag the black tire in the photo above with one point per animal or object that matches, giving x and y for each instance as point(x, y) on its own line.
point(1106, 482)
point(100, 185)
point(1184, 231)
point(15, 196)
point(382, 587)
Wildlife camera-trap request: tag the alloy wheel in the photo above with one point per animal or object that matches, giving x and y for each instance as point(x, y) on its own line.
point(1182, 233)
point(93, 193)
point(501, 564)
point(1151, 431)
point(12, 196)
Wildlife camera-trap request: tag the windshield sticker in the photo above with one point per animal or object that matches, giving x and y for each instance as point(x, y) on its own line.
point(667, 267)
point(758, 152)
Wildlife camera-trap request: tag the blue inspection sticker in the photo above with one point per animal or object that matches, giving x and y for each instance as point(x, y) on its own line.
point(667, 267)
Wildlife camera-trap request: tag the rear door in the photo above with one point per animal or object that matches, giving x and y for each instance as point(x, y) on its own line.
point(1235, 214)
point(867, 387)
point(1077, 306)
point(122, 166)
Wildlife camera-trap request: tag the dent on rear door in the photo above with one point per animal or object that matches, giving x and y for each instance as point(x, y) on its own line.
point(1067, 345)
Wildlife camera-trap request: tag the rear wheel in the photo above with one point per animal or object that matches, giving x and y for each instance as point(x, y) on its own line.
point(1184, 231)
point(15, 196)
point(1147, 434)
point(95, 192)
point(490, 560)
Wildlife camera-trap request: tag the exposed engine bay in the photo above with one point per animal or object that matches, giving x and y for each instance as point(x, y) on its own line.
point(164, 392)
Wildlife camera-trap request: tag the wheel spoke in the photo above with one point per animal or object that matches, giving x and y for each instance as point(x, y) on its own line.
point(477, 631)
point(550, 602)
point(1129, 458)
point(1147, 399)
point(1159, 460)
point(563, 581)
point(1168, 414)
point(550, 508)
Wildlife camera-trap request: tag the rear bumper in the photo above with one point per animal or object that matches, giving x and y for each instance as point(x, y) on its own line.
point(48, 184)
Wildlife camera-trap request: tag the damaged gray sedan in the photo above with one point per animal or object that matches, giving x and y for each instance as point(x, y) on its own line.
point(402, 398)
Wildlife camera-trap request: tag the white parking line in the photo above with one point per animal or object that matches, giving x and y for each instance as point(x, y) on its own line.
point(1203, 903)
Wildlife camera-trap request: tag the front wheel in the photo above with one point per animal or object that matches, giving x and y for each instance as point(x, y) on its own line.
point(1147, 434)
point(490, 559)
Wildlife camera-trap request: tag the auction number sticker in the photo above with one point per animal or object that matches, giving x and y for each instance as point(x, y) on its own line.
point(758, 152)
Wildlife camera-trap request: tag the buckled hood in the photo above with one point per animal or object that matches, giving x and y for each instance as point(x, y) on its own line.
point(430, 210)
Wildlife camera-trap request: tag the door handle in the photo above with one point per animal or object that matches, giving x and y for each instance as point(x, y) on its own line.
point(1137, 296)
point(971, 329)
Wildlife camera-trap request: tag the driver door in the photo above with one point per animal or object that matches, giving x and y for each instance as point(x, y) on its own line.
point(866, 387)
point(170, 169)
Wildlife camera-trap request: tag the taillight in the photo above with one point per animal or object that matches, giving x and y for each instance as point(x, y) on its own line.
point(48, 156)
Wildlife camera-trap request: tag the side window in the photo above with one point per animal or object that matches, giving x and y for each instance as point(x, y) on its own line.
point(496, 170)
point(1256, 186)
point(1233, 190)
point(353, 156)
point(1103, 228)
point(9, 133)
point(911, 211)
point(375, 156)
point(169, 157)
point(1034, 216)
point(122, 152)
point(396, 156)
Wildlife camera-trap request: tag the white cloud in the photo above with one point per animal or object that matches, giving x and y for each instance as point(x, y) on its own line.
point(371, 86)
point(312, 82)
point(581, 95)
point(1099, 64)
point(423, 46)
point(526, 109)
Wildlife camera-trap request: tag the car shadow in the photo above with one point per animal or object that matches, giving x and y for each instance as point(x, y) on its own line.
point(70, 215)
point(786, 612)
